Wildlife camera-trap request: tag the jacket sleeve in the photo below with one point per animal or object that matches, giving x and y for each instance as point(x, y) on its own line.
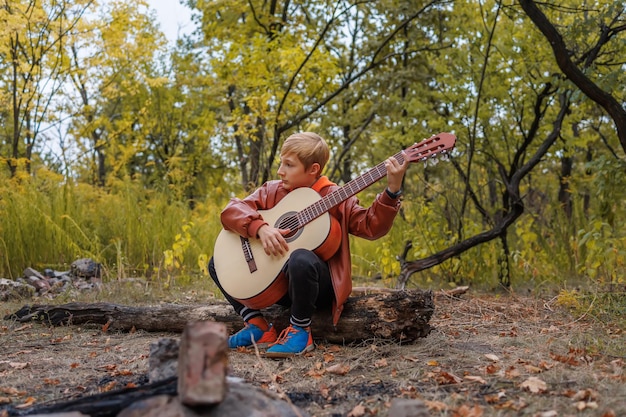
point(375, 221)
point(242, 215)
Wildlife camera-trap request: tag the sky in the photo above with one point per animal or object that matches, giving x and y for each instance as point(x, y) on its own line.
point(172, 17)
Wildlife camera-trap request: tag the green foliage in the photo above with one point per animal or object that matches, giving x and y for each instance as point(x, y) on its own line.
point(601, 254)
point(49, 222)
point(605, 307)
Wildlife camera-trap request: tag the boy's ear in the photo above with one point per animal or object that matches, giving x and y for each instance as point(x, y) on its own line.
point(315, 169)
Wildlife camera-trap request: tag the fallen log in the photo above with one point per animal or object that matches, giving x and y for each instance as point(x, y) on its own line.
point(452, 293)
point(401, 315)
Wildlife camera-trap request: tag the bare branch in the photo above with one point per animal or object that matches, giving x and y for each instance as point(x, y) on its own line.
point(573, 73)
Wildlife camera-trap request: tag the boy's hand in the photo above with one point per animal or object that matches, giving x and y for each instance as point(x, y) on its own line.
point(273, 241)
point(395, 173)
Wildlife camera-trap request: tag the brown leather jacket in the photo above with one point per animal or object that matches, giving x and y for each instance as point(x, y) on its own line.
point(242, 217)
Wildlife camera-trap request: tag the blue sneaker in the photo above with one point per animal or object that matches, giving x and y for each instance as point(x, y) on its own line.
point(293, 341)
point(250, 334)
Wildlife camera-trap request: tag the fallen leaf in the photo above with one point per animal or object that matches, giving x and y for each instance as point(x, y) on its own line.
point(128, 372)
point(583, 405)
point(27, 403)
point(18, 365)
point(550, 413)
point(512, 372)
point(432, 362)
point(533, 369)
point(474, 378)
point(492, 369)
point(567, 359)
point(551, 329)
point(325, 391)
point(338, 369)
point(5, 400)
point(436, 405)
point(105, 327)
point(466, 411)
point(12, 391)
point(358, 411)
point(316, 373)
point(444, 378)
point(51, 381)
point(495, 398)
point(585, 395)
point(492, 357)
point(381, 363)
point(108, 387)
point(511, 404)
point(534, 385)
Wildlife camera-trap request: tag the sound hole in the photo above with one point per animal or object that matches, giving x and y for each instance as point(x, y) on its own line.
point(289, 221)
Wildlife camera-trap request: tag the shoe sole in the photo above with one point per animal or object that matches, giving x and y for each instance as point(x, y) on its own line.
point(258, 345)
point(283, 355)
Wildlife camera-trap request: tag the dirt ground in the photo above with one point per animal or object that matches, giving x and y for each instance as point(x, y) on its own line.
point(488, 355)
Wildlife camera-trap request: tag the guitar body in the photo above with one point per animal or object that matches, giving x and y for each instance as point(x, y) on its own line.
point(267, 284)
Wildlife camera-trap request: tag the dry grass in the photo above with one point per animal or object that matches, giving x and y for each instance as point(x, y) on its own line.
point(484, 357)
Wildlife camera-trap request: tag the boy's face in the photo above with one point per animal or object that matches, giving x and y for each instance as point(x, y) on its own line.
point(293, 174)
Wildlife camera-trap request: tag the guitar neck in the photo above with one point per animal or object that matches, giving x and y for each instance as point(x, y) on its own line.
point(340, 195)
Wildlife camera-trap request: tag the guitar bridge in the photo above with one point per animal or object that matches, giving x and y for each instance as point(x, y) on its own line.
point(247, 253)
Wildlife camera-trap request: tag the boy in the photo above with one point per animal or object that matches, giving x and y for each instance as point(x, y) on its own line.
point(312, 282)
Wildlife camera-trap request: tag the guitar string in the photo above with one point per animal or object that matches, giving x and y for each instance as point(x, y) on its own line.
point(321, 206)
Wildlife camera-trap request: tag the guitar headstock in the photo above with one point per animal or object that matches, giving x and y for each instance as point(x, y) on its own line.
point(434, 145)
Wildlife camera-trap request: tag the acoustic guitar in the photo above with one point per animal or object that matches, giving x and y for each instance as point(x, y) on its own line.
point(254, 278)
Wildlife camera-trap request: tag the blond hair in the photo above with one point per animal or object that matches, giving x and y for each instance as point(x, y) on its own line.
point(309, 147)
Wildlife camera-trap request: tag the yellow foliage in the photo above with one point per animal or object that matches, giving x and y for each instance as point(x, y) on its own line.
point(568, 299)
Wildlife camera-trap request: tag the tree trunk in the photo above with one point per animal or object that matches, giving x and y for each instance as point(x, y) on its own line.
point(388, 314)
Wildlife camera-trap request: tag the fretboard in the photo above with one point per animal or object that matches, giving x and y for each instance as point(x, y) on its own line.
point(340, 195)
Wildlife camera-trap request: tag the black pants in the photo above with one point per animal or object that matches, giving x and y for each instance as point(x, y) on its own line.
point(310, 288)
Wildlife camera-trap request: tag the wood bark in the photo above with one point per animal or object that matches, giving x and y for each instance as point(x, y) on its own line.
point(401, 315)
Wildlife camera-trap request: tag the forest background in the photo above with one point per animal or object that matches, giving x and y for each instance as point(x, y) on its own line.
point(119, 146)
